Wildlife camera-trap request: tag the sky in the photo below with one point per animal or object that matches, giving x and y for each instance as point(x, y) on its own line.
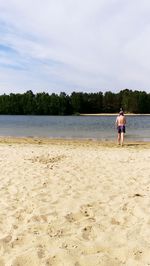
point(74, 45)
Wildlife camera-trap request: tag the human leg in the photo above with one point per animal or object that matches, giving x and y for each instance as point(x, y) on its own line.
point(119, 138)
point(122, 138)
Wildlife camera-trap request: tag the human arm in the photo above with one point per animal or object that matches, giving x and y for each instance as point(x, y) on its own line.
point(116, 122)
point(125, 121)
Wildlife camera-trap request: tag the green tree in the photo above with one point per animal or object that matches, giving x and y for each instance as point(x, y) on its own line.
point(110, 102)
point(28, 103)
point(42, 104)
point(144, 103)
point(64, 104)
point(77, 102)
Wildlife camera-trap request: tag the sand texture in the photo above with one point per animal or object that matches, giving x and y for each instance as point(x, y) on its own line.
point(74, 203)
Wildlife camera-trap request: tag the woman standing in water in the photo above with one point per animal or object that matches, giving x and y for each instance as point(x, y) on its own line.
point(120, 123)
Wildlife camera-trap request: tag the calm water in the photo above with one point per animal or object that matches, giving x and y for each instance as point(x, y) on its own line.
point(102, 127)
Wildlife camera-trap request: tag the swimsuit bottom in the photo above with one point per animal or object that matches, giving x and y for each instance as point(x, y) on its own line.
point(121, 129)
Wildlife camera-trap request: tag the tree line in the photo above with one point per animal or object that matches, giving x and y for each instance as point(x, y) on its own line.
point(43, 103)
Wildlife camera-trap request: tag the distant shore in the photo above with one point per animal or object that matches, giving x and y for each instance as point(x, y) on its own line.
point(113, 114)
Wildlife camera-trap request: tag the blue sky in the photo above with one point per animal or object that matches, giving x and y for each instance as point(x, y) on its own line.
point(74, 45)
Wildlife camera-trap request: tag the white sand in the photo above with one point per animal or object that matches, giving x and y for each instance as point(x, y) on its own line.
point(74, 203)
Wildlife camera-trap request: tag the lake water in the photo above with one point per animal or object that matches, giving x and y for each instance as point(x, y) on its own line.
point(93, 127)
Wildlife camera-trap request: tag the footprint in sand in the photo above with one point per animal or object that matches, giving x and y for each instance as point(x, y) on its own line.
point(39, 218)
point(85, 212)
point(47, 159)
point(55, 230)
point(41, 253)
point(29, 258)
point(5, 243)
point(73, 217)
point(77, 264)
point(87, 233)
point(2, 262)
point(6, 239)
point(63, 258)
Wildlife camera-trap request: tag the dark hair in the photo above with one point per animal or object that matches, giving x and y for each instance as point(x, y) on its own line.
point(121, 113)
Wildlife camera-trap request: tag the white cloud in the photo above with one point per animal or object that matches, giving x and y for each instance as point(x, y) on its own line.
point(68, 45)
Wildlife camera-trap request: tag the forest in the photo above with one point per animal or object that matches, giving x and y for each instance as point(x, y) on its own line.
point(76, 103)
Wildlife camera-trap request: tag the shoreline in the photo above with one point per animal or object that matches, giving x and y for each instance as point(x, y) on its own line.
point(68, 141)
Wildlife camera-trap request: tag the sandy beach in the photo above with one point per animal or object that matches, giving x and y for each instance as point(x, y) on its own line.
point(74, 203)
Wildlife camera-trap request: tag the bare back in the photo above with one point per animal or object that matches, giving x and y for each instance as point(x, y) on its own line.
point(121, 120)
